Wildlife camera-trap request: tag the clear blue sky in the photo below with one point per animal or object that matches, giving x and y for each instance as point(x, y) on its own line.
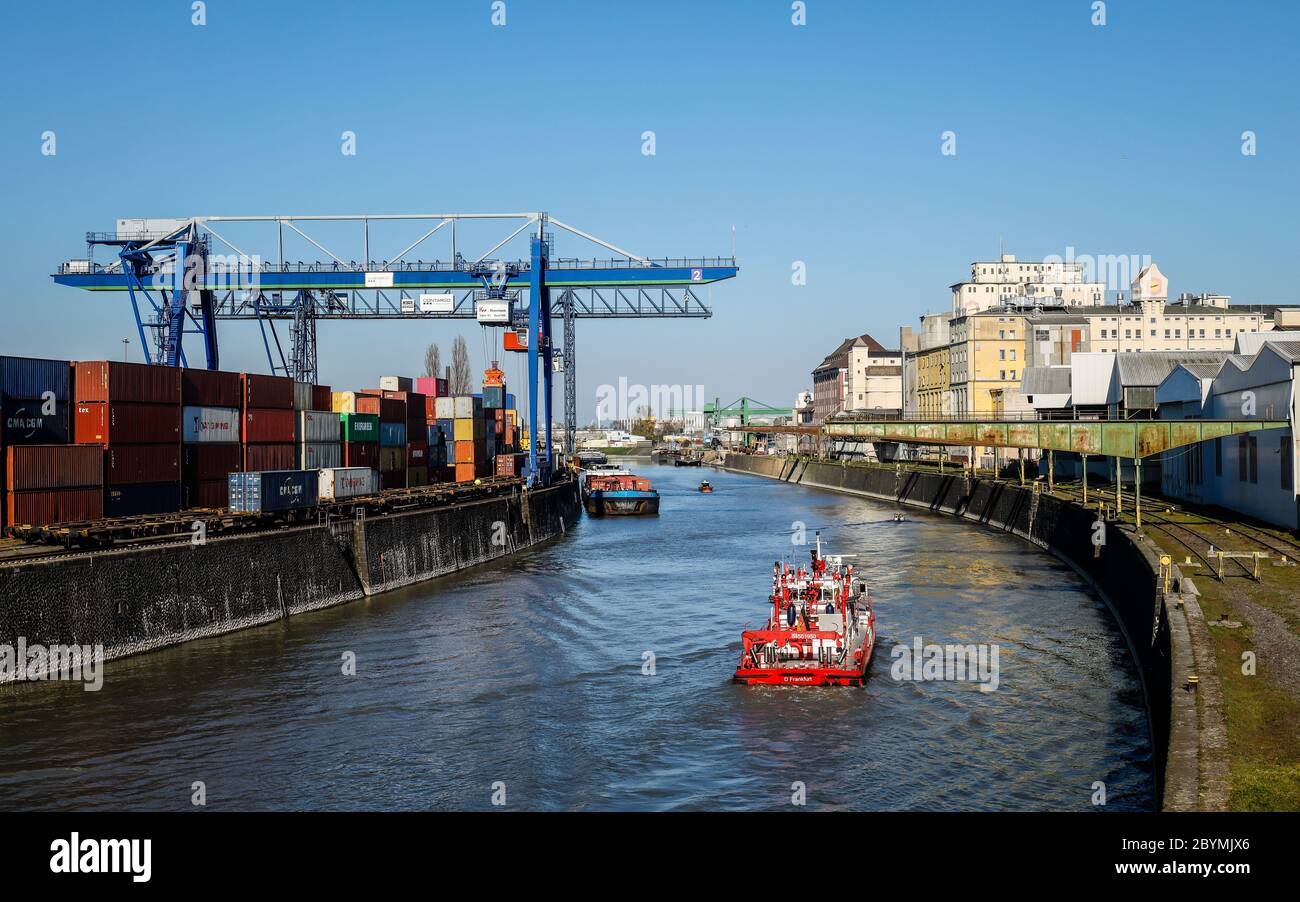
point(818, 143)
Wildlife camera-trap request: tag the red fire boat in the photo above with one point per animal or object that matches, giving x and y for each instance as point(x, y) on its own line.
point(821, 629)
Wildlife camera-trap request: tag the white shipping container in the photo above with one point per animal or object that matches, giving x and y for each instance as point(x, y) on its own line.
point(317, 426)
point(348, 482)
point(318, 456)
point(396, 383)
point(444, 408)
point(302, 396)
point(464, 407)
point(210, 425)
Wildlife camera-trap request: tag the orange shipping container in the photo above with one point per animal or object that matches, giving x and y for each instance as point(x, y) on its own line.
point(464, 472)
point(464, 453)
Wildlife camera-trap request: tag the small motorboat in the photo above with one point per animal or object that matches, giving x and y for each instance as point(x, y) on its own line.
point(820, 631)
point(706, 488)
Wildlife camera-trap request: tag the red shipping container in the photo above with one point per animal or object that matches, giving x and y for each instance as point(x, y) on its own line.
point(270, 392)
point(201, 463)
point(394, 480)
point(99, 423)
point(430, 409)
point(47, 506)
point(38, 467)
point(392, 410)
point(106, 380)
point(265, 425)
point(417, 454)
point(368, 403)
point(322, 397)
point(207, 493)
point(259, 458)
point(507, 465)
point(131, 464)
point(415, 404)
point(361, 454)
point(209, 388)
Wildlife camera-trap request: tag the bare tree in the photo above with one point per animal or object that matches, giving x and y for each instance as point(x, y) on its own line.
point(460, 377)
point(432, 359)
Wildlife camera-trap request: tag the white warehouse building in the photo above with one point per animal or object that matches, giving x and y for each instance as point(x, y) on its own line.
point(1254, 473)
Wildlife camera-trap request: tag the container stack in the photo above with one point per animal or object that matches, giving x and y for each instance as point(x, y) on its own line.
point(132, 412)
point(417, 437)
point(468, 431)
point(210, 432)
point(34, 399)
point(317, 431)
point(268, 430)
point(47, 484)
point(392, 436)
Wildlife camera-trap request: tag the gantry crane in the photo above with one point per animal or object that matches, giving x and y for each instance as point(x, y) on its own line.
point(171, 266)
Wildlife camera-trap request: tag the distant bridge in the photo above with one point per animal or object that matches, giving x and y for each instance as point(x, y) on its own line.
point(1132, 439)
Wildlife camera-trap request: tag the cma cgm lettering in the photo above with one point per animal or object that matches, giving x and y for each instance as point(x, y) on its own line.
point(35, 422)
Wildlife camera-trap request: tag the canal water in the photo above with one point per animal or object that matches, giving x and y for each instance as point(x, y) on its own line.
point(528, 680)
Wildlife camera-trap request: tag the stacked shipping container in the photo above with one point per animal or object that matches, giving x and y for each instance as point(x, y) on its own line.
point(34, 402)
point(210, 431)
point(133, 412)
point(267, 423)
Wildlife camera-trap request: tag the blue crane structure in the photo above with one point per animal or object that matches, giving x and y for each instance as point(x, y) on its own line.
point(170, 266)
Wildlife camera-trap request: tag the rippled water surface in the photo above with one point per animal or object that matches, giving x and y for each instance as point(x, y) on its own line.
point(530, 673)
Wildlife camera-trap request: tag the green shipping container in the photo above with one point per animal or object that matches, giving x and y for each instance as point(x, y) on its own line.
point(360, 427)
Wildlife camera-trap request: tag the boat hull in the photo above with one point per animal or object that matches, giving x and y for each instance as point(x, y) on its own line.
point(600, 503)
point(806, 673)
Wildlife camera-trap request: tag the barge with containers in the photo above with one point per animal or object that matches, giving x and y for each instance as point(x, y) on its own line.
point(618, 494)
point(149, 505)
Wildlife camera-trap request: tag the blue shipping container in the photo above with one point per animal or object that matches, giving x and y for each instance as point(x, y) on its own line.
point(448, 428)
point(273, 490)
point(27, 378)
point(26, 423)
point(392, 435)
point(143, 498)
point(510, 401)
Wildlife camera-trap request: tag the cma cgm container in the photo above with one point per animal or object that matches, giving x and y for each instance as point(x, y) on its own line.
point(34, 422)
point(107, 381)
point(268, 392)
point(210, 388)
point(104, 423)
point(31, 378)
point(320, 455)
point(277, 490)
point(210, 425)
point(340, 483)
point(142, 498)
point(35, 397)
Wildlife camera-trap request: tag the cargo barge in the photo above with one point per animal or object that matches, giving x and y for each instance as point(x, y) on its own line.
point(618, 494)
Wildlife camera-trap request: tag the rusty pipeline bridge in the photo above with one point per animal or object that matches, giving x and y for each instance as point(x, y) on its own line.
point(1133, 440)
